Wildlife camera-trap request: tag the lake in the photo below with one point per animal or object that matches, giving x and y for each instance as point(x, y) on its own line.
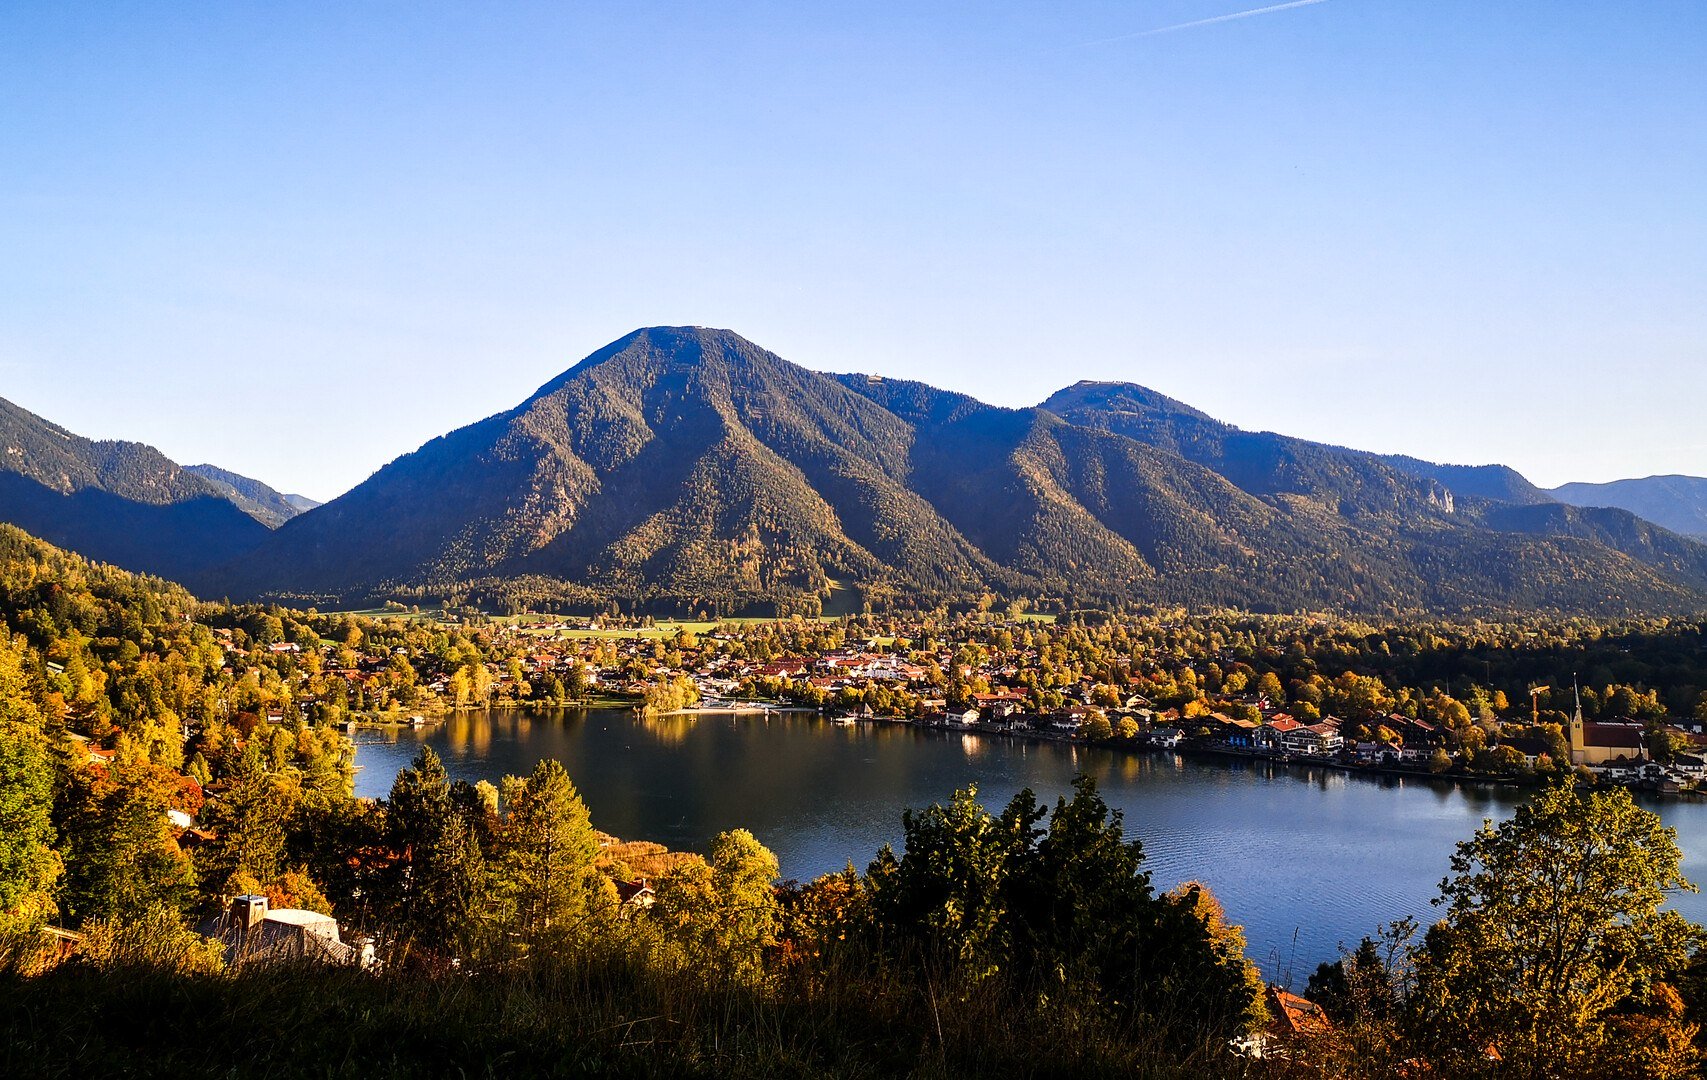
point(1304, 858)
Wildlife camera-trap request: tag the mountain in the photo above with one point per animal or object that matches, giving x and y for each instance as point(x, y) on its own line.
point(1501, 483)
point(254, 498)
point(1679, 503)
point(684, 468)
point(119, 502)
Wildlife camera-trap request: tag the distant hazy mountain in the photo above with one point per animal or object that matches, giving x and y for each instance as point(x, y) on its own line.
point(1677, 502)
point(253, 497)
point(119, 502)
point(686, 467)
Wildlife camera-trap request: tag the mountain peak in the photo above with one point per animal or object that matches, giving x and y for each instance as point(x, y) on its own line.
point(654, 348)
point(1119, 397)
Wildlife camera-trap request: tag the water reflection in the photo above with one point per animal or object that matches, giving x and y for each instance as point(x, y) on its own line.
point(667, 730)
point(1305, 858)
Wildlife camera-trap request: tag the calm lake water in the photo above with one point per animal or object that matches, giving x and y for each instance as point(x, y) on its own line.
point(1305, 859)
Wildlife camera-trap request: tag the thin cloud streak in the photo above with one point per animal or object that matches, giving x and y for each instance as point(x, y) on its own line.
point(1270, 9)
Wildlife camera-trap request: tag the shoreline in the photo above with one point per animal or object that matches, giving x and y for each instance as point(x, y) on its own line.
point(1229, 753)
point(441, 713)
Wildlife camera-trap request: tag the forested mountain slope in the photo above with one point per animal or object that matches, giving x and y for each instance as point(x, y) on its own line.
point(684, 467)
point(271, 508)
point(120, 502)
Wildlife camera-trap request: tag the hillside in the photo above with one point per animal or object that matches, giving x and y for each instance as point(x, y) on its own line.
point(1501, 483)
point(1679, 503)
point(687, 468)
point(120, 502)
point(254, 498)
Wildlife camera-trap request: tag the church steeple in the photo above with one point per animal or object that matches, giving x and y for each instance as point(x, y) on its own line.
point(1579, 753)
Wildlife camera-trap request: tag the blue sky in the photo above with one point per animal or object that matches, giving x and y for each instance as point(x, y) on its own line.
point(300, 240)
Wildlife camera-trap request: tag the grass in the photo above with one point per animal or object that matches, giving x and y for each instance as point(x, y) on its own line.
point(663, 629)
point(598, 1014)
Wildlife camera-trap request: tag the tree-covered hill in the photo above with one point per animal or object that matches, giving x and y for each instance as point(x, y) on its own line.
point(120, 502)
point(687, 468)
point(271, 508)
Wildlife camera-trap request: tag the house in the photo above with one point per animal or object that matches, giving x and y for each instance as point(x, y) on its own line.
point(1271, 736)
point(1292, 1021)
point(1001, 705)
point(953, 717)
point(1071, 718)
point(637, 894)
point(1318, 740)
point(1689, 766)
point(1165, 738)
point(253, 933)
point(1420, 734)
point(1296, 1017)
point(1239, 734)
point(1618, 770)
point(1380, 753)
point(1014, 721)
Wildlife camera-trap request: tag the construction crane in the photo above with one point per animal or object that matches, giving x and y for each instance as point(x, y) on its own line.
point(1535, 693)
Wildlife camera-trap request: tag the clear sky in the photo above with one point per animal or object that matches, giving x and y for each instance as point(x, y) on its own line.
point(299, 240)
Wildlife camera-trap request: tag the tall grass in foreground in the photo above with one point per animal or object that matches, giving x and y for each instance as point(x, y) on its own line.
point(601, 1011)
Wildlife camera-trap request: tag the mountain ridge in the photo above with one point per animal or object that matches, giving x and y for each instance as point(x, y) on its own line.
point(116, 501)
point(688, 468)
point(1673, 500)
point(270, 507)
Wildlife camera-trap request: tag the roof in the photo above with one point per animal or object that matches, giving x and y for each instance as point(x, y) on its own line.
point(1297, 1015)
point(1613, 735)
point(631, 892)
point(299, 917)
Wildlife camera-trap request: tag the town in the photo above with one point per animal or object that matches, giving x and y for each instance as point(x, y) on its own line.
point(1287, 689)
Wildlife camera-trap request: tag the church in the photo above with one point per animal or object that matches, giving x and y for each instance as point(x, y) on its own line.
point(1597, 744)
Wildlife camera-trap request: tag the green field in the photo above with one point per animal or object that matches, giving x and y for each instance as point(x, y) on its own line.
point(664, 628)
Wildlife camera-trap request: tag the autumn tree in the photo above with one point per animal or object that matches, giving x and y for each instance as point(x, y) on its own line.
point(122, 859)
point(723, 914)
point(29, 866)
point(545, 874)
point(1553, 925)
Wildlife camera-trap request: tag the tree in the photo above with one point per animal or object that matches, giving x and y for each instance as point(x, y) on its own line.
point(29, 866)
point(1097, 728)
point(1364, 995)
point(580, 680)
point(724, 914)
point(441, 868)
point(1066, 909)
point(1269, 687)
point(944, 893)
point(1553, 922)
point(121, 858)
point(545, 868)
point(249, 822)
